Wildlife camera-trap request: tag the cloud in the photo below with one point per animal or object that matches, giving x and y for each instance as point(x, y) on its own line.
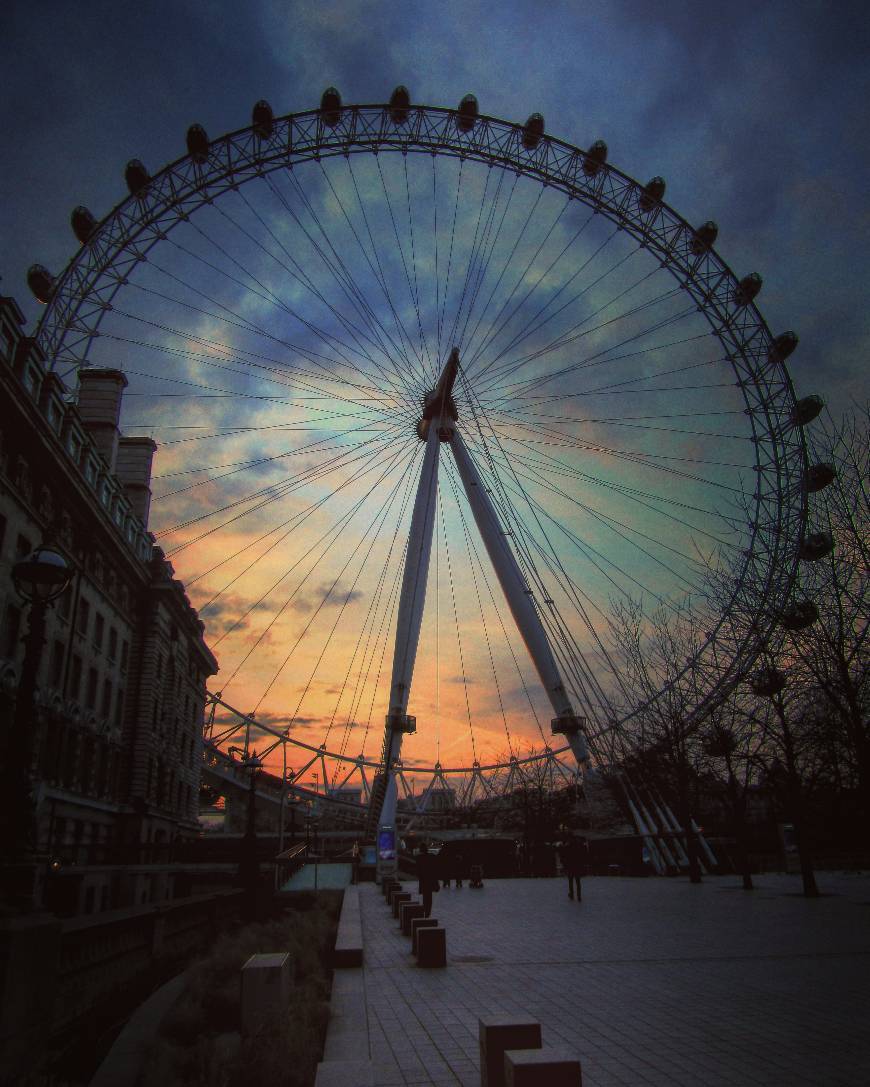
point(336, 598)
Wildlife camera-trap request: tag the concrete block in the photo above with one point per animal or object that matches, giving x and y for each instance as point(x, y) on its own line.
point(532, 1067)
point(432, 946)
point(345, 1074)
point(497, 1033)
point(398, 899)
point(407, 913)
point(265, 992)
point(418, 923)
point(348, 950)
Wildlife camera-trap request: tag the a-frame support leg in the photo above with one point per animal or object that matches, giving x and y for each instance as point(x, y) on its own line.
point(519, 598)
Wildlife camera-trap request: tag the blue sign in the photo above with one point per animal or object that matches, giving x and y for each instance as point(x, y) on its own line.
point(386, 844)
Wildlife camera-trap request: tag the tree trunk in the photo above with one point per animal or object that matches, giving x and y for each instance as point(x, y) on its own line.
point(797, 808)
point(738, 814)
point(686, 820)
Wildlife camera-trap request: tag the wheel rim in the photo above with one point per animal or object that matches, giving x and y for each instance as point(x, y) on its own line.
point(83, 313)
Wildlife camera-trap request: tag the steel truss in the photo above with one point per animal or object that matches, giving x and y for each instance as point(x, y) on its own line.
point(776, 512)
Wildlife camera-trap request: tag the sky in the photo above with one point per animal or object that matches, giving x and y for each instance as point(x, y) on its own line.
point(753, 113)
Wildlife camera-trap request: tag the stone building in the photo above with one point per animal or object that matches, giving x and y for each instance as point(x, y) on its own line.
point(122, 678)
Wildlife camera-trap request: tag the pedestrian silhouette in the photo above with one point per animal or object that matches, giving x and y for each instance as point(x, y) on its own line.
point(427, 880)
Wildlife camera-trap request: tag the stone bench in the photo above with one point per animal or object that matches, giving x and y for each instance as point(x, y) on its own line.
point(532, 1067)
point(398, 898)
point(417, 924)
point(348, 941)
point(499, 1033)
point(266, 980)
point(407, 912)
point(432, 946)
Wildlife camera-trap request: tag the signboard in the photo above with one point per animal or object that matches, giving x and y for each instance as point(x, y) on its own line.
point(388, 861)
point(386, 844)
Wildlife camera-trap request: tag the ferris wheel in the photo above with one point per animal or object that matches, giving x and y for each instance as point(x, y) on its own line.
point(432, 393)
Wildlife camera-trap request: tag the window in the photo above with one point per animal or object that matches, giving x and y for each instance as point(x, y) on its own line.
point(84, 617)
point(91, 691)
point(12, 632)
point(119, 708)
point(2, 530)
point(56, 664)
point(113, 643)
point(99, 631)
point(75, 447)
point(106, 707)
point(75, 676)
point(125, 655)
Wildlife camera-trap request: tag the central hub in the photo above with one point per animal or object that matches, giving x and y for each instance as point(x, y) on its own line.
point(438, 404)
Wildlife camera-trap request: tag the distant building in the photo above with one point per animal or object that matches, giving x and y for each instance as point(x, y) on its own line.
point(122, 679)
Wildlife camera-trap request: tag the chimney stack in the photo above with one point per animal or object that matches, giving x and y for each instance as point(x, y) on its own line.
point(99, 405)
point(134, 472)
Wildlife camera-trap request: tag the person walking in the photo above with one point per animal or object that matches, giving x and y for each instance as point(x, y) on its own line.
point(427, 879)
point(354, 871)
point(573, 859)
point(458, 867)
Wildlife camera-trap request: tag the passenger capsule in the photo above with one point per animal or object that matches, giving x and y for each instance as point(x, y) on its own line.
point(330, 107)
point(41, 282)
point(83, 223)
point(137, 177)
point(799, 616)
point(747, 289)
point(262, 119)
point(782, 346)
point(806, 410)
point(819, 476)
point(816, 546)
point(767, 682)
point(595, 158)
point(533, 129)
point(705, 238)
point(197, 143)
point(651, 194)
point(400, 102)
point(467, 114)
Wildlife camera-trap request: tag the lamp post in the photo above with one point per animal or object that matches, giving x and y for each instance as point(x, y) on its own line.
point(39, 579)
point(249, 864)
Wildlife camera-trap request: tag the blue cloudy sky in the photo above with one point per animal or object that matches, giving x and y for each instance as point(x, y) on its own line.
point(753, 113)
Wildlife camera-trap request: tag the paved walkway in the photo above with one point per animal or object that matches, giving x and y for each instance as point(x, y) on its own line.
point(650, 981)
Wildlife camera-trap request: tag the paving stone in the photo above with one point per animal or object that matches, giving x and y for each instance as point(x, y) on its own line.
point(650, 981)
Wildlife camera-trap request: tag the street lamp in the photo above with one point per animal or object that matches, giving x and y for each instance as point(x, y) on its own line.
point(249, 863)
point(39, 579)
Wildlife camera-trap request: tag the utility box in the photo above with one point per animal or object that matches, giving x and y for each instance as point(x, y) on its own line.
point(265, 993)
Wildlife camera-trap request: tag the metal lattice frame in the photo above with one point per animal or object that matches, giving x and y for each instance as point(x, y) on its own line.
point(553, 767)
point(83, 294)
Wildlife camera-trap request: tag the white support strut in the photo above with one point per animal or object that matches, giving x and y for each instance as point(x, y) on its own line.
point(519, 597)
point(413, 595)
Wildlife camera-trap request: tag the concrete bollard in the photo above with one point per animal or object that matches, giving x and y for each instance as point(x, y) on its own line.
point(265, 990)
point(432, 946)
point(532, 1067)
point(398, 899)
point(407, 912)
point(497, 1033)
point(417, 924)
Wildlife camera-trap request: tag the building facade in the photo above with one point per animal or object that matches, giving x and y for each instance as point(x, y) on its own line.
point(121, 682)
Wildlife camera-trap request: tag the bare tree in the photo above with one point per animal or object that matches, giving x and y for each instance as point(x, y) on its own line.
point(661, 694)
point(832, 651)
